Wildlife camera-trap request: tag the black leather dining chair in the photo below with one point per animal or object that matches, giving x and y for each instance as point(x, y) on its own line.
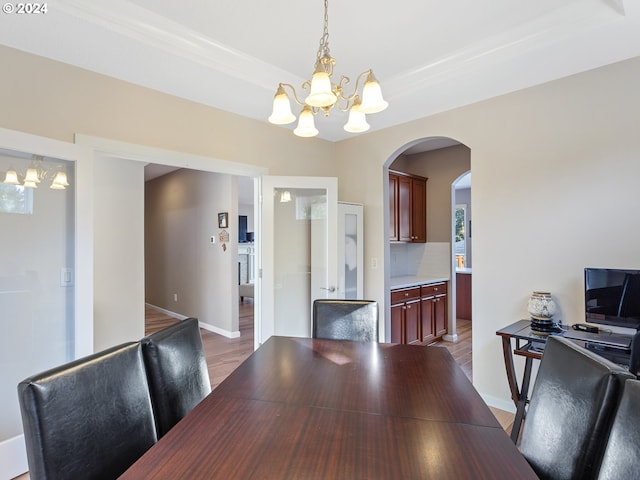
point(177, 371)
point(339, 319)
point(88, 419)
point(570, 412)
point(621, 459)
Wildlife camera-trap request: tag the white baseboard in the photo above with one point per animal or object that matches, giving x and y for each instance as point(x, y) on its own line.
point(495, 402)
point(450, 338)
point(13, 457)
point(166, 312)
point(219, 331)
point(203, 325)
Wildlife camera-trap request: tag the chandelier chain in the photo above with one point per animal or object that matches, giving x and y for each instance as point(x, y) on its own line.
point(323, 50)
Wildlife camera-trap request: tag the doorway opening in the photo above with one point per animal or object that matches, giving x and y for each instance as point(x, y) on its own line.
point(462, 246)
point(442, 161)
point(221, 296)
point(196, 263)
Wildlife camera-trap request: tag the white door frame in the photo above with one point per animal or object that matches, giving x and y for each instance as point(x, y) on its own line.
point(265, 324)
point(13, 459)
point(145, 154)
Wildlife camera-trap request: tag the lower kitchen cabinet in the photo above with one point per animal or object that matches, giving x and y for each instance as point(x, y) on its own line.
point(463, 296)
point(419, 313)
point(405, 315)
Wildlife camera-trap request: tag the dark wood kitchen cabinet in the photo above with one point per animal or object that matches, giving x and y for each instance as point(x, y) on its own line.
point(405, 315)
point(419, 313)
point(463, 296)
point(407, 208)
point(433, 311)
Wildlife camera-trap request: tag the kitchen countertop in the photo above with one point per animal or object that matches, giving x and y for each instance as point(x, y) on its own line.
point(463, 270)
point(412, 281)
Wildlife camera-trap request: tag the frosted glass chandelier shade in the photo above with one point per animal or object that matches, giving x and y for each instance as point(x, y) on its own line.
point(372, 101)
point(306, 126)
point(357, 119)
point(281, 114)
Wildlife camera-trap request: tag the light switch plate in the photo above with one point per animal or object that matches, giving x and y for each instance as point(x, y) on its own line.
point(66, 277)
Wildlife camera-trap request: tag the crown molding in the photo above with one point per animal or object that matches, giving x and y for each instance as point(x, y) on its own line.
point(538, 34)
point(142, 25)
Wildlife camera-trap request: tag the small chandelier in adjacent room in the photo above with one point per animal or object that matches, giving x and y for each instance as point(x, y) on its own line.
point(38, 172)
point(285, 196)
point(324, 95)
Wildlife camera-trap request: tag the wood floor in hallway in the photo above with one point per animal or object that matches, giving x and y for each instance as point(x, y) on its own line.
point(223, 354)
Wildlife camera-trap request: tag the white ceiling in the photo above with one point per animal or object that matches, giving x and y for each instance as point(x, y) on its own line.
point(429, 55)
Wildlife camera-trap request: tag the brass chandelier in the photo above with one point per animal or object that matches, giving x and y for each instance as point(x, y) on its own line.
point(324, 95)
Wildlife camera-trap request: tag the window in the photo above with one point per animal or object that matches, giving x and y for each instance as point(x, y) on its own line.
point(461, 236)
point(16, 199)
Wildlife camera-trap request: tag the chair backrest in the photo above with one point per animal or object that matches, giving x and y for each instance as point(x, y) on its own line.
point(570, 412)
point(621, 459)
point(90, 418)
point(345, 320)
point(634, 358)
point(177, 372)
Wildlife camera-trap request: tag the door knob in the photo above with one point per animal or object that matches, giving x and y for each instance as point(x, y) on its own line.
point(330, 289)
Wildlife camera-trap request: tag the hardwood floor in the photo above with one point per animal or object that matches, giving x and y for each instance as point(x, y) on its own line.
point(461, 352)
point(223, 354)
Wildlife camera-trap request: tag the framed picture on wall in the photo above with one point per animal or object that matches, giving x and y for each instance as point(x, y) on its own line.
point(223, 220)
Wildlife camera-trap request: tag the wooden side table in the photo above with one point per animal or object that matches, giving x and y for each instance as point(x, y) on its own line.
point(524, 338)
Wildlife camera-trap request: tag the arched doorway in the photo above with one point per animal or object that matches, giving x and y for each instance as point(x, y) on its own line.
point(442, 161)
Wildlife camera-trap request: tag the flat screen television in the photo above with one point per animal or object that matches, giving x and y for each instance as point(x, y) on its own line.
point(242, 228)
point(612, 297)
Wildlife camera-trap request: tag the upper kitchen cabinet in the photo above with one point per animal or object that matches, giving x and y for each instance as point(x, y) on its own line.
point(408, 208)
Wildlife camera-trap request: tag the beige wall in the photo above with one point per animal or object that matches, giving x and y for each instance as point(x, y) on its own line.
point(554, 168)
point(55, 100)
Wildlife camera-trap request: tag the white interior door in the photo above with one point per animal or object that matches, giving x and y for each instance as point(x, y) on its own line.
point(350, 251)
point(297, 252)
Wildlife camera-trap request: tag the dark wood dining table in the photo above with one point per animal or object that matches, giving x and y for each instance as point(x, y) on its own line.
point(325, 409)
